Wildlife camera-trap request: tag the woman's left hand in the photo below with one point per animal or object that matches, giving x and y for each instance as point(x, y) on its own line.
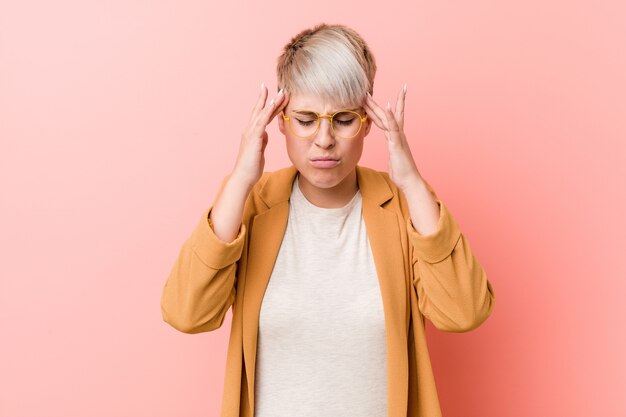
point(402, 168)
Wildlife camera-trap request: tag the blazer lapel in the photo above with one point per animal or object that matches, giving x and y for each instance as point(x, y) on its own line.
point(385, 237)
point(266, 235)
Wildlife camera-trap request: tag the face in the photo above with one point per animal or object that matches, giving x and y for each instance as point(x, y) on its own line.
point(323, 160)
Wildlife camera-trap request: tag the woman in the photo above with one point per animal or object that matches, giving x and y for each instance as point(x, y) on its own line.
point(331, 268)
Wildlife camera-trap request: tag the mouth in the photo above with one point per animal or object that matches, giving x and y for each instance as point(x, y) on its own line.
point(324, 162)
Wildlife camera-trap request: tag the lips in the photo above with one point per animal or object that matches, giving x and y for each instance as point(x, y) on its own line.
point(324, 162)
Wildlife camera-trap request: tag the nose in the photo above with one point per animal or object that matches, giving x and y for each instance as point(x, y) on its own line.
point(324, 137)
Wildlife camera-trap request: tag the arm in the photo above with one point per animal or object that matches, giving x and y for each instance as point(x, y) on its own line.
point(202, 284)
point(452, 287)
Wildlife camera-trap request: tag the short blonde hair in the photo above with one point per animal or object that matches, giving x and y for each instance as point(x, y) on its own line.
point(329, 61)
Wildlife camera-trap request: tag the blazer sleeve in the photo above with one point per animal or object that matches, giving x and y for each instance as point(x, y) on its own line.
point(201, 286)
point(452, 286)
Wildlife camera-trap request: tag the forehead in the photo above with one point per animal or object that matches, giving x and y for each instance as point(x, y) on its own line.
point(304, 101)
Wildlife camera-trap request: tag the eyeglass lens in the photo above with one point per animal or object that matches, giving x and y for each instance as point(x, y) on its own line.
point(345, 124)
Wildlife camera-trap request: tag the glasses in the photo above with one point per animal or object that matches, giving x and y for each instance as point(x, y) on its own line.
point(345, 124)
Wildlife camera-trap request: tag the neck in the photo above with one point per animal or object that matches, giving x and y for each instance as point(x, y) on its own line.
point(333, 197)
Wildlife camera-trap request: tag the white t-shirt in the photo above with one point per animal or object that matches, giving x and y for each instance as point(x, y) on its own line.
point(321, 344)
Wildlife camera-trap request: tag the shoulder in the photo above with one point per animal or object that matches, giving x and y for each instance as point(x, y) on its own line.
point(380, 182)
point(273, 188)
point(283, 176)
point(377, 185)
point(374, 176)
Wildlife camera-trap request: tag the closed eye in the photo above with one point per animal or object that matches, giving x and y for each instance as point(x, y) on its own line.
point(305, 122)
point(345, 120)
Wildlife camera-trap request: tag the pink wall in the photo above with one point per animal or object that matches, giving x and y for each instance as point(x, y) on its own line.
point(118, 119)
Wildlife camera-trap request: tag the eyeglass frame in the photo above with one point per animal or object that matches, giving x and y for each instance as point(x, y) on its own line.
point(319, 122)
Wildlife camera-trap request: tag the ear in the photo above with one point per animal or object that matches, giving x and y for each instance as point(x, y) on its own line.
point(368, 126)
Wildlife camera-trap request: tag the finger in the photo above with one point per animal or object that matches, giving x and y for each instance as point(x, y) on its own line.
point(260, 103)
point(381, 123)
point(399, 113)
point(378, 111)
point(266, 115)
point(281, 107)
point(374, 117)
point(260, 118)
point(391, 119)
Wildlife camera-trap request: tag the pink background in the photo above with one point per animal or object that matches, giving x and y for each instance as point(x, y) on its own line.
point(118, 120)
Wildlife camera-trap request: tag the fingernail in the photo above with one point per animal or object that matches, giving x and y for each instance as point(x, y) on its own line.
point(281, 91)
point(262, 83)
point(388, 106)
point(405, 87)
point(272, 103)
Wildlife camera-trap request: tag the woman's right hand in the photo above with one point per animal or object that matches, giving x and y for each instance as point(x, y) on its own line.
point(227, 211)
point(251, 157)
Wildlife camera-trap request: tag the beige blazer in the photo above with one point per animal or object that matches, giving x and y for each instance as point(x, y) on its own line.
point(435, 277)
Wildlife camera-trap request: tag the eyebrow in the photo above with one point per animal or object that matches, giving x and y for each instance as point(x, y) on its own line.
point(307, 110)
